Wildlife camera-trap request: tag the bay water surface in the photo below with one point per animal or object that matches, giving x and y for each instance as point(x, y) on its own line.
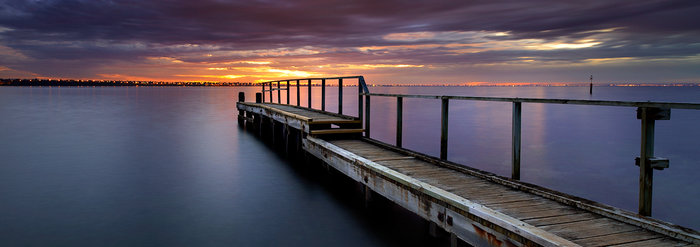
point(145, 166)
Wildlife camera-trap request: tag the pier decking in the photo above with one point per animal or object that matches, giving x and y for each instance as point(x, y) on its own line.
point(477, 207)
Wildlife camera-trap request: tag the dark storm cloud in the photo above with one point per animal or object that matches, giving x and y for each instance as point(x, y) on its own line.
point(319, 21)
point(132, 30)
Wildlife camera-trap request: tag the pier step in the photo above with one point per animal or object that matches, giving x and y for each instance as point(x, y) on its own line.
point(336, 131)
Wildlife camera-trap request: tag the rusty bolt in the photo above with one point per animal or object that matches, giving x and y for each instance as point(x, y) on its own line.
point(366, 179)
point(441, 216)
point(449, 220)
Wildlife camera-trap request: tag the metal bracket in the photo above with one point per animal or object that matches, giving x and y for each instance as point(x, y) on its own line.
point(657, 163)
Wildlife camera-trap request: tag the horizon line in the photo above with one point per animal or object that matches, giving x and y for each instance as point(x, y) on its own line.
point(428, 84)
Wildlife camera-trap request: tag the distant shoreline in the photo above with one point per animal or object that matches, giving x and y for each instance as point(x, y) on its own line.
point(94, 83)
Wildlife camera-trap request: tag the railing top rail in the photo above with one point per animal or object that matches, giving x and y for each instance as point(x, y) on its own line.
point(315, 78)
point(692, 106)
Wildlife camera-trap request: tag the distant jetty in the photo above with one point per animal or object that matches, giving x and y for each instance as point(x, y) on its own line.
point(99, 83)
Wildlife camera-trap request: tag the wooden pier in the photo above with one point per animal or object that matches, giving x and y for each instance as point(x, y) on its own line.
point(473, 206)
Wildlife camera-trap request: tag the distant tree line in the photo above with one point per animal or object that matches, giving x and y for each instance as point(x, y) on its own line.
point(100, 83)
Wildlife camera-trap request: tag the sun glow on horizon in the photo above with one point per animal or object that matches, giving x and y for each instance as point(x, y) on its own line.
point(412, 56)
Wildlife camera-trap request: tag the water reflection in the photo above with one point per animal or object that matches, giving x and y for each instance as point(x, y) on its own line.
point(165, 167)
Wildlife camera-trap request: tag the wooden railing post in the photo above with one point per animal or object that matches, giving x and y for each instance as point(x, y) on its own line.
point(287, 92)
point(647, 162)
point(279, 92)
point(263, 93)
point(517, 113)
point(444, 124)
point(399, 121)
point(271, 92)
point(309, 93)
point(340, 96)
point(241, 113)
point(367, 108)
point(323, 94)
point(359, 99)
point(298, 95)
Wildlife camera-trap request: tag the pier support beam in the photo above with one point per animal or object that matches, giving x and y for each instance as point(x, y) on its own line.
point(298, 144)
point(273, 129)
point(241, 113)
point(263, 125)
point(367, 193)
point(433, 229)
point(285, 136)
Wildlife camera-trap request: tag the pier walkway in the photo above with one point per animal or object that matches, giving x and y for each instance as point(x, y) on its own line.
point(476, 207)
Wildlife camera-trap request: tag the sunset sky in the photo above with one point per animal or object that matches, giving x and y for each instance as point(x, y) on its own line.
point(386, 41)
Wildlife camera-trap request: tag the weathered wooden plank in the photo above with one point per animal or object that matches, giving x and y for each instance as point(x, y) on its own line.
point(336, 131)
point(421, 171)
point(561, 219)
point(362, 149)
point(457, 186)
point(542, 206)
point(527, 203)
point(437, 175)
point(532, 213)
point(405, 164)
point(359, 147)
point(589, 228)
point(379, 154)
point(618, 238)
point(488, 190)
point(333, 121)
point(394, 158)
point(308, 110)
point(653, 243)
point(504, 197)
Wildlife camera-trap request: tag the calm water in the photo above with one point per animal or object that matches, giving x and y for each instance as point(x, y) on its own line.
point(166, 167)
point(169, 166)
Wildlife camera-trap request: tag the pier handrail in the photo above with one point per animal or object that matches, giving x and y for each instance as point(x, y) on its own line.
point(647, 112)
point(670, 105)
point(361, 87)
